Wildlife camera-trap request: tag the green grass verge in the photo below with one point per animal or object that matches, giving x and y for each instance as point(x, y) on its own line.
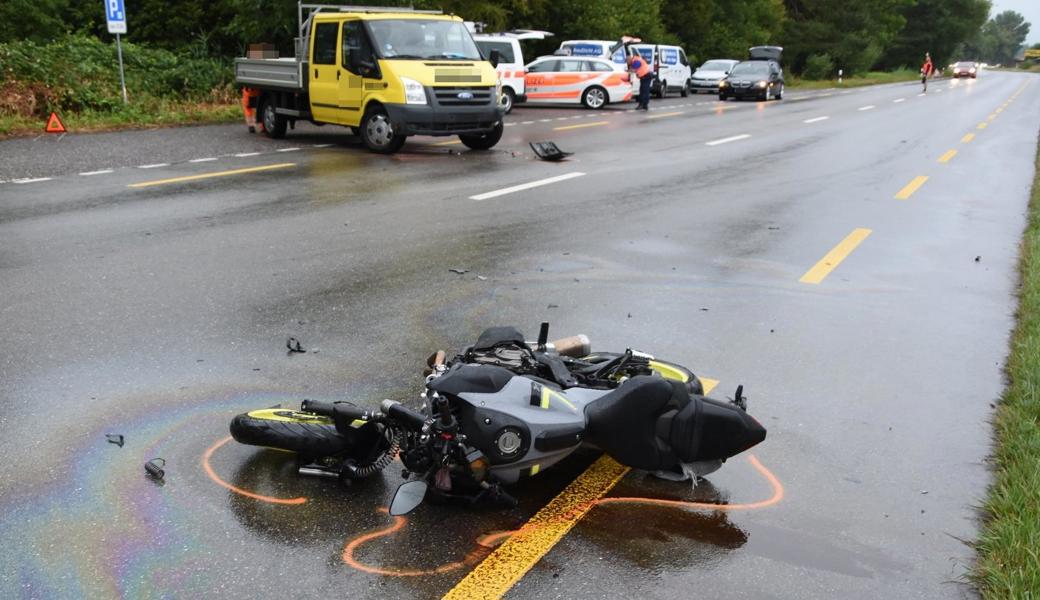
point(1009, 547)
point(872, 78)
point(156, 113)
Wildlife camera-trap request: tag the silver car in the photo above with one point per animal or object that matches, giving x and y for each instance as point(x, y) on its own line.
point(707, 77)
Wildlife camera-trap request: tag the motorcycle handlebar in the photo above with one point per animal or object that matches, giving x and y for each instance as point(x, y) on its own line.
point(402, 413)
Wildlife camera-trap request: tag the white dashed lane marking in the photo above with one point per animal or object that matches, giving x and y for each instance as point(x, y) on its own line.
point(30, 179)
point(153, 166)
point(201, 160)
point(727, 140)
point(101, 172)
point(815, 119)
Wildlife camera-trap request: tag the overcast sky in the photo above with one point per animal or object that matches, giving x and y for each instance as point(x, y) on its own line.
point(1030, 9)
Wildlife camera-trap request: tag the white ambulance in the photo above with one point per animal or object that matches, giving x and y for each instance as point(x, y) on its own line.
point(511, 62)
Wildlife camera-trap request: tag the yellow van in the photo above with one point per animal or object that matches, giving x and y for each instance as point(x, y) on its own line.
point(385, 73)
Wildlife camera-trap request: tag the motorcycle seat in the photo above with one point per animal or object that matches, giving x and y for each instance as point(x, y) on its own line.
point(625, 422)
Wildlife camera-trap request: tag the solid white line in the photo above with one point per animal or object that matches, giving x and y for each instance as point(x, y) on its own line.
point(288, 149)
point(30, 179)
point(245, 154)
point(898, 100)
point(544, 120)
point(727, 140)
point(527, 123)
point(207, 159)
point(816, 119)
point(526, 186)
point(155, 166)
point(561, 118)
point(101, 172)
point(509, 124)
point(868, 107)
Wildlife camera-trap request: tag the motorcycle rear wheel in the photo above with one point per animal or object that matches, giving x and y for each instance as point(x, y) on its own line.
point(304, 433)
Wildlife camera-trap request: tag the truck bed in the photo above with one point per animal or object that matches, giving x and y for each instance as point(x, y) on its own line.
point(281, 73)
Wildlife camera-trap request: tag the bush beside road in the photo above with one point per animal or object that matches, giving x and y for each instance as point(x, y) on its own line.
point(871, 78)
point(78, 76)
point(1009, 563)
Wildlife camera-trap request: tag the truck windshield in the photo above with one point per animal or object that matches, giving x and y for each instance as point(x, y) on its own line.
point(422, 39)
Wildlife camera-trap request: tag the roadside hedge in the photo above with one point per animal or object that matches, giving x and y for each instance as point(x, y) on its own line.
point(79, 72)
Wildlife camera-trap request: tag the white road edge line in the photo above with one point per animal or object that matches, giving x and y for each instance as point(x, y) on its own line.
point(526, 186)
point(727, 140)
point(867, 107)
point(30, 179)
point(898, 100)
point(207, 159)
point(154, 166)
point(101, 172)
point(815, 119)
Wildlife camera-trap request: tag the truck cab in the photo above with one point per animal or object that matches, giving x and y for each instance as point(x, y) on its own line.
point(385, 73)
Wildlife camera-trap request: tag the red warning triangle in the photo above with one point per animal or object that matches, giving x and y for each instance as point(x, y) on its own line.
point(54, 124)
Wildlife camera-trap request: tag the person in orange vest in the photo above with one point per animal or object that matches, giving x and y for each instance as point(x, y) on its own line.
point(641, 67)
point(927, 69)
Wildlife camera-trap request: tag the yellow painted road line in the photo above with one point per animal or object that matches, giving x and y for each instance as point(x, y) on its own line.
point(580, 125)
point(448, 143)
point(493, 577)
point(911, 187)
point(992, 116)
point(945, 158)
point(967, 138)
point(981, 125)
point(837, 254)
point(671, 114)
point(211, 175)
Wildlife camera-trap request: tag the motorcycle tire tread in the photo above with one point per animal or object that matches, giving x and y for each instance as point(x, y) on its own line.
point(306, 438)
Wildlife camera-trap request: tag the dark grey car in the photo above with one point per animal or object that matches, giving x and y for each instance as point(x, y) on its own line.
point(759, 79)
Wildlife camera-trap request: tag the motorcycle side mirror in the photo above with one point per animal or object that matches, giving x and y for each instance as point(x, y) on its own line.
point(408, 497)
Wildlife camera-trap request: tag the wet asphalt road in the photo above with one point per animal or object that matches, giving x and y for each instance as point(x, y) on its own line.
point(160, 312)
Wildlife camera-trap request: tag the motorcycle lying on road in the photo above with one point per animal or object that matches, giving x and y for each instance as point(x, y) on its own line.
point(504, 409)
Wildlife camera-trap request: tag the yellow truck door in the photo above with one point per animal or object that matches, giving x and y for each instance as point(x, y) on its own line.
point(351, 85)
point(325, 72)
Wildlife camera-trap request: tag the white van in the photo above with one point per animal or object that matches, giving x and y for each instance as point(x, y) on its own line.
point(511, 62)
point(671, 68)
point(596, 48)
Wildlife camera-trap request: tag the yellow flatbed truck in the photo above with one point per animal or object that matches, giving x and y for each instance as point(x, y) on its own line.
point(386, 73)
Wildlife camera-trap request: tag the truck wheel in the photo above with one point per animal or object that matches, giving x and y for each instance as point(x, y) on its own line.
point(274, 123)
point(377, 132)
point(508, 99)
point(483, 141)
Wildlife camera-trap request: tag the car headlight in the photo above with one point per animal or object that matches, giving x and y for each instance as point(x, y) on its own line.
point(723, 84)
point(414, 93)
point(971, 70)
point(762, 84)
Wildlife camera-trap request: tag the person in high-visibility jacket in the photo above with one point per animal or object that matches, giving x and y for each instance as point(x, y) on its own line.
point(640, 66)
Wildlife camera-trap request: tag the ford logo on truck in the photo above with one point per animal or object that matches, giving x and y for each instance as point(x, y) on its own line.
point(464, 96)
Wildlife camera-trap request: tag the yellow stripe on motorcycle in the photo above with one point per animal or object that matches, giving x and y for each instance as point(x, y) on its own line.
point(291, 416)
point(548, 394)
point(669, 371)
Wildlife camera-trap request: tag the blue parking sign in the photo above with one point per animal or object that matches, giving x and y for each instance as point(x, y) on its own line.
point(115, 14)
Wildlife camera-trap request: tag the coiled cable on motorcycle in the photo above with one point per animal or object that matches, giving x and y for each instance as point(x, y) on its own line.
point(383, 461)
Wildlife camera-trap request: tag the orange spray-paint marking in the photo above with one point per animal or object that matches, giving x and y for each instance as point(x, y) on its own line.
point(216, 479)
point(399, 523)
point(491, 540)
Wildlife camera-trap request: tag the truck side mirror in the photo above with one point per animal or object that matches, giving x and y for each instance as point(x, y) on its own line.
point(494, 58)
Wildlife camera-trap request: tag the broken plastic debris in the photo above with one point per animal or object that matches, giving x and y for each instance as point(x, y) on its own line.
point(293, 345)
point(549, 151)
point(115, 438)
point(459, 271)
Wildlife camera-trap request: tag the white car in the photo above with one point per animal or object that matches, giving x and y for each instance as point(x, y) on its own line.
point(707, 76)
point(593, 82)
point(511, 61)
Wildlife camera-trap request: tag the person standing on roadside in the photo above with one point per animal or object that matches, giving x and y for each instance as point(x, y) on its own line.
point(927, 69)
point(641, 68)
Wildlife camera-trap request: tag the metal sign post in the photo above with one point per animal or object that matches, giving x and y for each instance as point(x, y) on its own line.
point(115, 14)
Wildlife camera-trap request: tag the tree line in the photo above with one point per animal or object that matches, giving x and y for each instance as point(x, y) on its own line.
point(822, 35)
